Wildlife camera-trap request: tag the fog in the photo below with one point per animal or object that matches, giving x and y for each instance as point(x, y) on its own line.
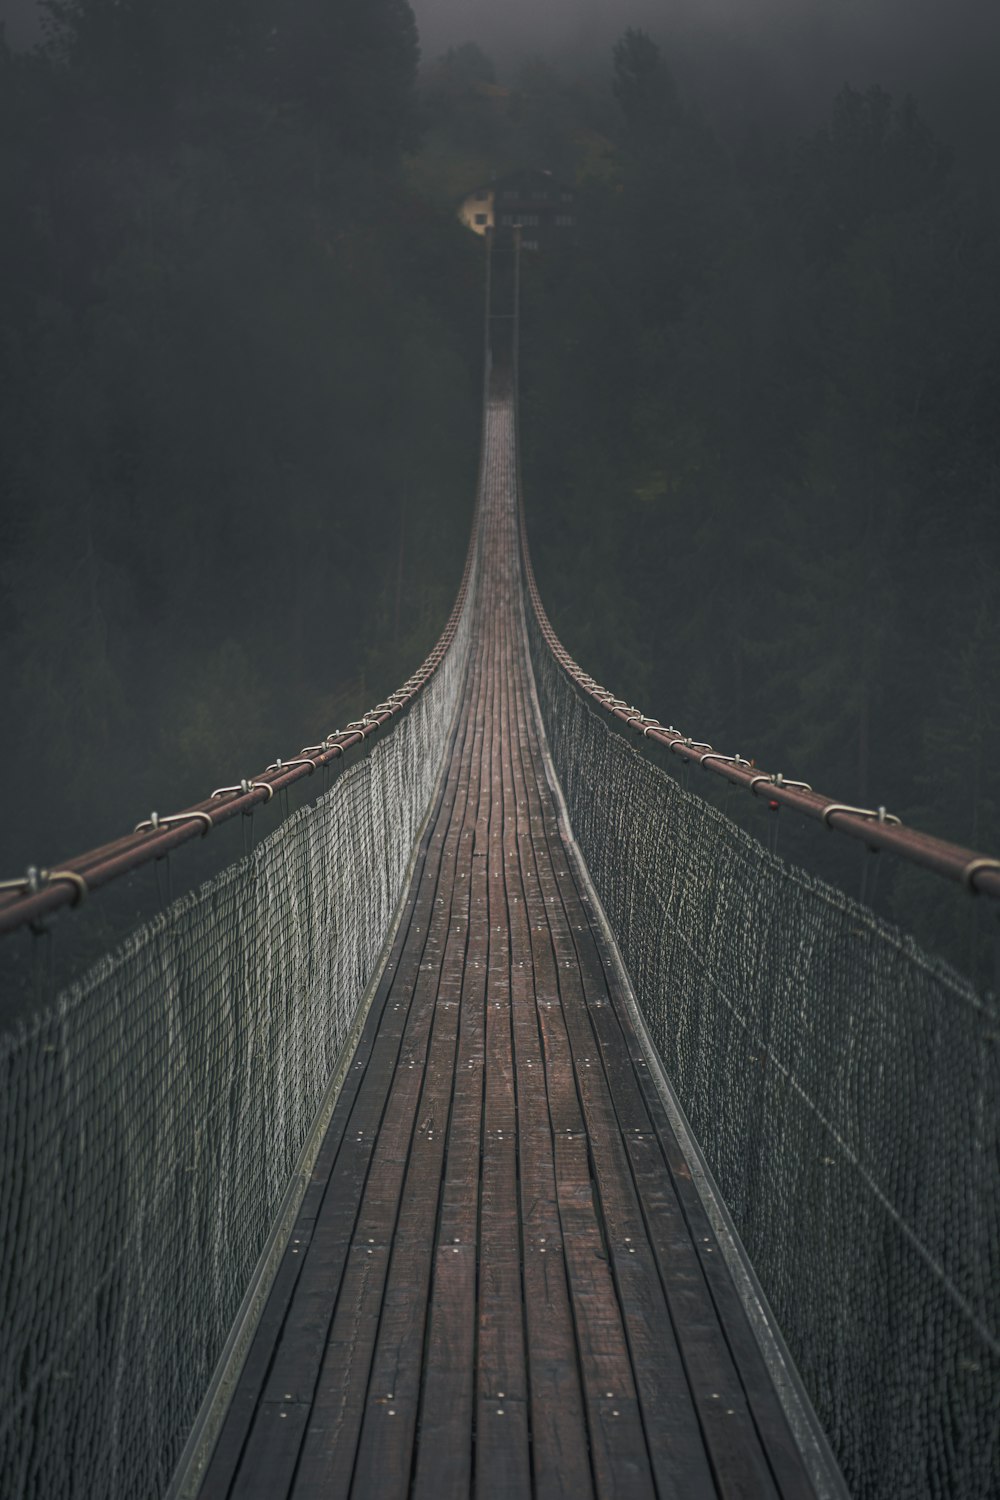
point(233, 281)
point(19, 19)
point(748, 57)
point(740, 59)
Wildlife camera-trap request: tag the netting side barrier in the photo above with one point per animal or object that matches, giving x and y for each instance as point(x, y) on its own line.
point(152, 1115)
point(843, 1085)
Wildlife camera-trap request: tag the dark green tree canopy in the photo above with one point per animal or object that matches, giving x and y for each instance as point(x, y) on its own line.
point(350, 67)
point(231, 336)
point(874, 158)
point(468, 64)
point(347, 67)
point(807, 333)
point(643, 86)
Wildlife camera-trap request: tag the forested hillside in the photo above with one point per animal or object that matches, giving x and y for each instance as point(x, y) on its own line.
point(762, 448)
point(238, 398)
point(239, 347)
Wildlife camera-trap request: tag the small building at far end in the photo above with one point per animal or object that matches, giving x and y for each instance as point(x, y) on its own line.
point(544, 207)
point(477, 210)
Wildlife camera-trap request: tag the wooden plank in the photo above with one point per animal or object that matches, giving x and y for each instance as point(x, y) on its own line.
point(673, 1432)
point(731, 1396)
point(444, 1456)
point(275, 1321)
point(560, 1439)
point(618, 1449)
point(618, 1446)
point(271, 1452)
point(385, 1453)
point(242, 1409)
point(657, 1160)
point(508, 1286)
point(502, 1453)
point(341, 1394)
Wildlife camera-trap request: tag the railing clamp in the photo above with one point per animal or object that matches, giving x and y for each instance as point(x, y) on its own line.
point(973, 868)
point(729, 760)
point(35, 880)
point(245, 788)
point(778, 780)
point(155, 822)
point(682, 744)
point(878, 813)
point(796, 786)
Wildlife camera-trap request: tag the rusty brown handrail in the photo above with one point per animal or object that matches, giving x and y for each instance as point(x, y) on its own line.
point(26, 902)
point(979, 873)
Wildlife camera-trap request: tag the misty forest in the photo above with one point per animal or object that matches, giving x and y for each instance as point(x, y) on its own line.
point(500, 814)
point(240, 363)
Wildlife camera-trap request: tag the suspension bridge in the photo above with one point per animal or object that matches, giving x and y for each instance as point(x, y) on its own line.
point(506, 1122)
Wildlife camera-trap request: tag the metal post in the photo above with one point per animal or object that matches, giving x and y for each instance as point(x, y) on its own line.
point(488, 346)
point(517, 311)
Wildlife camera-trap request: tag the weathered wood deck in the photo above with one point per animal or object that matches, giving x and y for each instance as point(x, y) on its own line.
point(502, 1281)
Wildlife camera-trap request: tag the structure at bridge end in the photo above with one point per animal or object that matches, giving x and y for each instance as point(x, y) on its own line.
point(540, 203)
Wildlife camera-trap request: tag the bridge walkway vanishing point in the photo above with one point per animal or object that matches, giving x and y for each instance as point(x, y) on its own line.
point(355, 1169)
point(502, 1280)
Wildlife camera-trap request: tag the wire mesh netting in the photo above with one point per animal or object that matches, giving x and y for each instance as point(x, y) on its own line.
point(153, 1114)
point(845, 1090)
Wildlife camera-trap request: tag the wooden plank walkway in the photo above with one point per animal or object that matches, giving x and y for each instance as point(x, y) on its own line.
point(502, 1281)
